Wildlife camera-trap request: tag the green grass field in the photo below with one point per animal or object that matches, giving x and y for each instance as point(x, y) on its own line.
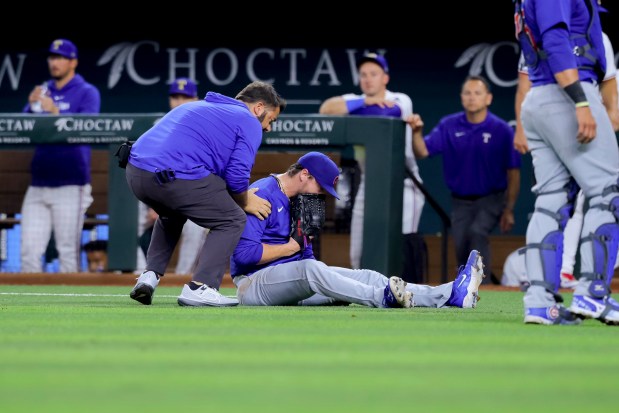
point(92, 349)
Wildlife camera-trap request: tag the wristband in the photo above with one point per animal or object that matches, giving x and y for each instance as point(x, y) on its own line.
point(354, 104)
point(577, 94)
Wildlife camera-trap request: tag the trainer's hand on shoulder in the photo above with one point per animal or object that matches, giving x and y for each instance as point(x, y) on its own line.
point(257, 206)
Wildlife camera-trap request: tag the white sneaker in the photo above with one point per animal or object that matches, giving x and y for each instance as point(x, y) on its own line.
point(145, 287)
point(204, 296)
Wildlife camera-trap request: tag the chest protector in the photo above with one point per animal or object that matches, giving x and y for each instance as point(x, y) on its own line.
point(586, 55)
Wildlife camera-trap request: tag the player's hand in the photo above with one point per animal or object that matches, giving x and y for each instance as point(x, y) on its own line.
point(257, 206)
point(507, 220)
point(415, 122)
point(294, 246)
point(380, 102)
point(614, 118)
point(47, 104)
point(520, 141)
point(34, 95)
point(586, 125)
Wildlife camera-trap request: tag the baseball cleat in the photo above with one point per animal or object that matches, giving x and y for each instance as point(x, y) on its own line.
point(602, 309)
point(395, 294)
point(553, 315)
point(465, 289)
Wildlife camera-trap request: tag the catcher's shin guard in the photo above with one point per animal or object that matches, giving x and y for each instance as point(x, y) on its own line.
point(605, 242)
point(551, 247)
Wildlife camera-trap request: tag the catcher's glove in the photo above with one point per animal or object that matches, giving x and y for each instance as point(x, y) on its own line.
point(307, 216)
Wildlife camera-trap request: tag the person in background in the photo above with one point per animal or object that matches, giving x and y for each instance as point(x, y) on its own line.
point(195, 164)
point(377, 100)
point(96, 254)
point(60, 190)
point(270, 266)
point(182, 90)
point(480, 166)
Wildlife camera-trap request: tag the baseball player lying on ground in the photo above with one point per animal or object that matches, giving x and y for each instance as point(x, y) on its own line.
point(274, 264)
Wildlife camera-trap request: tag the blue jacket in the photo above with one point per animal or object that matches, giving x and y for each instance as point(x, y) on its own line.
point(56, 165)
point(217, 135)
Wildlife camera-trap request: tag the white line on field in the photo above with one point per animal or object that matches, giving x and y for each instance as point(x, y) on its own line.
point(91, 295)
point(79, 295)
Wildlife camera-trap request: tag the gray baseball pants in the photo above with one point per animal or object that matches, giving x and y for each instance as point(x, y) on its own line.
point(312, 282)
point(550, 126)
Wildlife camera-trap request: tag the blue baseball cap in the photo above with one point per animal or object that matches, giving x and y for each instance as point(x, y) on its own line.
point(184, 86)
point(323, 169)
point(374, 58)
point(64, 48)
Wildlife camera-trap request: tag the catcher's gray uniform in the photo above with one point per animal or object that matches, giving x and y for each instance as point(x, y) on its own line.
point(551, 115)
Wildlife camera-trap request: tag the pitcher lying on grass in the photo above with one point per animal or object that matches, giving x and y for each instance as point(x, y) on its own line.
point(271, 266)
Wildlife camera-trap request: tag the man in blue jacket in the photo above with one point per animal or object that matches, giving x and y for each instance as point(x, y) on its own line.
point(195, 164)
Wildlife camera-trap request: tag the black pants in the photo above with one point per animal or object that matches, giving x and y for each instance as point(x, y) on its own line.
point(415, 255)
point(206, 202)
point(472, 221)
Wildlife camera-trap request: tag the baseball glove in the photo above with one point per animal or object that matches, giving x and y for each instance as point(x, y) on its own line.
point(307, 216)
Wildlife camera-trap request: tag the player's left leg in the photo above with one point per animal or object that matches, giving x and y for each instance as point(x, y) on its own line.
point(69, 204)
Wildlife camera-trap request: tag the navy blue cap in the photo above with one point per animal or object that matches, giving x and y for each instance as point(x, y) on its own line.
point(184, 86)
point(374, 58)
point(63, 47)
point(323, 169)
